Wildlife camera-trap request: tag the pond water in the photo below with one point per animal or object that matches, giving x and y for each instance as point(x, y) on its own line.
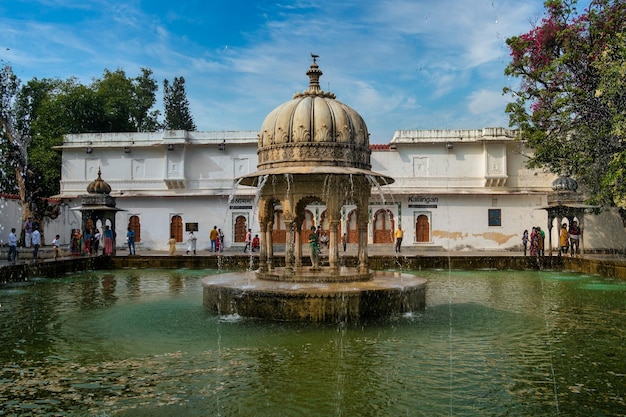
point(140, 343)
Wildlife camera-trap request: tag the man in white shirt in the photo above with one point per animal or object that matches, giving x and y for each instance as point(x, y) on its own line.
point(12, 246)
point(36, 241)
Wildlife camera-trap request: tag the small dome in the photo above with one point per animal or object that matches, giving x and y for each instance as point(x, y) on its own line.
point(564, 183)
point(313, 129)
point(99, 186)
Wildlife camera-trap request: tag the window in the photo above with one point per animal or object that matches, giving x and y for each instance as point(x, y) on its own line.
point(495, 217)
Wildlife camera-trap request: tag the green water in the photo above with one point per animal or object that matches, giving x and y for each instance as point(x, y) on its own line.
point(140, 343)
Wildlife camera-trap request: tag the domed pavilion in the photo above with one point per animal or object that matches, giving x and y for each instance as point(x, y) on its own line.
point(98, 205)
point(313, 149)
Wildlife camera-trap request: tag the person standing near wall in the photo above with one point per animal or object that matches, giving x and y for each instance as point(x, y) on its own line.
point(130, 236)
point(172, 244)
point(57, 247)
point(108, 241)
point(12, 246)
point(314, 246)
point(399, 237)
point(28, 232)
point(249, 240)
point(344, 241)
point(574, 237)
point(563, 240)
point(213, 235)
point(191, 239)
point(525, 240)
point(36, 242)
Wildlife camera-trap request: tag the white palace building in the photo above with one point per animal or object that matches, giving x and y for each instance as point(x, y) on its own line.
point(454, 190)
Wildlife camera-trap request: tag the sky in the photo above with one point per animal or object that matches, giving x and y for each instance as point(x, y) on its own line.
point(402, 64)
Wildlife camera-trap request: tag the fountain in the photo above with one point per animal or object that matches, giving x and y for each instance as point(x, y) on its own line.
point(313, 149)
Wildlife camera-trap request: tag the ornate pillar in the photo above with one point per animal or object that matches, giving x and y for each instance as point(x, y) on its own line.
point(289, 269)
point(362, 225)
point(333, 251)
point(263, 248)
point(269, 244)
point(298, 243)
point(581, 225)
point(549, 235)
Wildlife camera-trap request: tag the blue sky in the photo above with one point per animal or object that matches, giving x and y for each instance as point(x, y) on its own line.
point(402, 64)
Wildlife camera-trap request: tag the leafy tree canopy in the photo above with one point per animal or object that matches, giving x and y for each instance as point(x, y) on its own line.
point(570, 105)
point(35, 116)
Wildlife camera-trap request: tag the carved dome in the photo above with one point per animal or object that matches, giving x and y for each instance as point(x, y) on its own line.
point(313, 129)
point(99, 186)
point(564, 183)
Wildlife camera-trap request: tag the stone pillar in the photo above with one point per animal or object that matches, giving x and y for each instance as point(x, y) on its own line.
point(298, 243)
point(363, 259)
point(263, 248)
point(289, 224)
point(581, 225)
point(550, 221)
point(362, 226)
point(333, 251)
point(269, 244)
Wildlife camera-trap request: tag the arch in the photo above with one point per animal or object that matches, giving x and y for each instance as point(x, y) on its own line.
point(176, 227)
point(422, 229)
point(352, 230)
point(135, 224)
point(384, 226)
point(241, 227)
point(309, 220)
point(279, 230)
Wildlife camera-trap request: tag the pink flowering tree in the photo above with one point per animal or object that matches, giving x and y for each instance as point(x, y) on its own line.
point(569, 104)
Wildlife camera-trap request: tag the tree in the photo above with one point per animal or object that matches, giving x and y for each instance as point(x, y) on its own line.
point(34, 117)
point(16, 134)
point(177, 115)
point(570, 105)
point(144, 94)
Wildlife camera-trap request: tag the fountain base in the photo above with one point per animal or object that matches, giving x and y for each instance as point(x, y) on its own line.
point(384, 295)
point(312, 274)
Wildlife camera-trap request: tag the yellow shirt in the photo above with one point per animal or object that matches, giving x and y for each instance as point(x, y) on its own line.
point(399, 234)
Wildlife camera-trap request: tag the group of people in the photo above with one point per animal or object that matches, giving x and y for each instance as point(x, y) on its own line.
point(252, 243)
point(216, 237)
point(88, 242)
point(568, 240)
point(535, 241)
point(81, 243)
point(32, 238)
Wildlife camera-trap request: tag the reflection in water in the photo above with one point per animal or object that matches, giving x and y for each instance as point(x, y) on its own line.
point(139, 342)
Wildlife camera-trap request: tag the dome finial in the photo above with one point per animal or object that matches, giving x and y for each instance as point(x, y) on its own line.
point(314, 74)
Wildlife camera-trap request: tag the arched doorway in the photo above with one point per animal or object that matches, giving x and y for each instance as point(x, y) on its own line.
point(241, 227)
point(422, 229)
point(383, 226)
point(176, 228)
point(135, 224)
